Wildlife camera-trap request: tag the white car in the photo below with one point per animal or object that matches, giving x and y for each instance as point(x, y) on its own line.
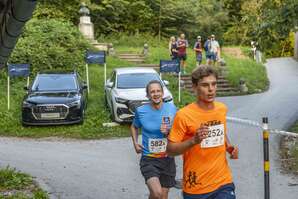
point(126, 89)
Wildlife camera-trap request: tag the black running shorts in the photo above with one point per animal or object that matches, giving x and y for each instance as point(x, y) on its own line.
point(163, 168)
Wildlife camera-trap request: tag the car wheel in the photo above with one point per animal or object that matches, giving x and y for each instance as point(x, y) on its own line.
point(83, 117)
point(106, 102)
point(112, 114)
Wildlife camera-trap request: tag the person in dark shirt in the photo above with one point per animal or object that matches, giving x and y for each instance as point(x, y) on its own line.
point(182, 45)
point(198, 50)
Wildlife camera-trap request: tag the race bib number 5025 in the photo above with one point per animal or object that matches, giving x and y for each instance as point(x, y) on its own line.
point(216, 137)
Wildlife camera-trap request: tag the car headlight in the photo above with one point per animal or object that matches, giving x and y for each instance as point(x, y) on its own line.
point(75, 103)
point(26, 104)
point(121, 100)
point(168, 99)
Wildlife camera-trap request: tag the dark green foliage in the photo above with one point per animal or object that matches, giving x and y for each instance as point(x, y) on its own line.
point(270, 22)
point(58, 9)
point(50, 44)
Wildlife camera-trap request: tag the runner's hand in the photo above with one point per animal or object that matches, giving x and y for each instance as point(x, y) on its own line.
point(201, 134)
point(138, 148)
point(164, 129)
point(233, 151)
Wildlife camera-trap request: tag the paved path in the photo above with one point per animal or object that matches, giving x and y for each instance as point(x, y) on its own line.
point(105, 169)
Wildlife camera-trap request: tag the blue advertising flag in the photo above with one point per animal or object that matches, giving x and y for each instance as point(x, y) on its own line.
point(167, 66)
point(18, 70)
point(98, 57)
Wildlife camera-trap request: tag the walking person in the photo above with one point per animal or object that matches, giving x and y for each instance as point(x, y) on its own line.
point(198, 50)
point(207, 47)
point(214, 50)
point(182, 45)
point(173, 48)
point(155, 119)
point(199, 132)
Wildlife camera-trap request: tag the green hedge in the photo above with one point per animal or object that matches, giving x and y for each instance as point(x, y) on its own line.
point(50, 44)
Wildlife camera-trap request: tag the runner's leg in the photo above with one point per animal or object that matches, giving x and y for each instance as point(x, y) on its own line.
point(155, 188)
point(165, 193)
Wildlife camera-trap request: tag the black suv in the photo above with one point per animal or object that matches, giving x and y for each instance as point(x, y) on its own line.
point(55, 98)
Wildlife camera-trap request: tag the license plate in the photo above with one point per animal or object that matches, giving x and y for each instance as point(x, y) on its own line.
point(49, 115)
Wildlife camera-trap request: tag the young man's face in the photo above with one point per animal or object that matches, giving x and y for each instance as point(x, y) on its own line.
point(155, 93)
point(206, 89)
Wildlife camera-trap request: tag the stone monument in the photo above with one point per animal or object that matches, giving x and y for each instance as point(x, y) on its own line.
point(85, 25)
point(87, 29)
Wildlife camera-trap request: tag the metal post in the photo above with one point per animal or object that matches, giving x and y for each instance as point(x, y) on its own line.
point(105, 75)
point(87, 76)
point(179, 86)
point(266, 158)
point(28, 81)
point(159, 22)
point(8, 93)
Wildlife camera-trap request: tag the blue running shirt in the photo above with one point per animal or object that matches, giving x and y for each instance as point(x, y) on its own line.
point(149, 120)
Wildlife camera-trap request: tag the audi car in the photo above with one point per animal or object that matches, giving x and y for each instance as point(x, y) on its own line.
point(125, 91)
point(55, 98)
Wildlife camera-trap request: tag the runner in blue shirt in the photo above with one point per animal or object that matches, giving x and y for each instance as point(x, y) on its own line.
point(155, 119)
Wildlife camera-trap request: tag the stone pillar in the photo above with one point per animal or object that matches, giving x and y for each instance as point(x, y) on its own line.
point(86, 27)
point(296, 46)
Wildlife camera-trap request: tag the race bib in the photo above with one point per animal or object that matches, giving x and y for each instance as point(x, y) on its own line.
point(157, 145)
point(216, 137)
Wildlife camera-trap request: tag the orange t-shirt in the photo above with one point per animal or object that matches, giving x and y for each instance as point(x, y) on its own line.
point(205, 167)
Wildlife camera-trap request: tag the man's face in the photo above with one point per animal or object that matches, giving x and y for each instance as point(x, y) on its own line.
point(155, 93)
point(206, 89)
point(212, 38)
point(182, 36)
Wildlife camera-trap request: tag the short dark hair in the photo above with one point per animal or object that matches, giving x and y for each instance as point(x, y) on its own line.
point(202, 71)
point(153, 82)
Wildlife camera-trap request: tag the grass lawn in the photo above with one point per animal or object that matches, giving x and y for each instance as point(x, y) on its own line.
point(17, 185)
point(293, 153)
point(96, 113)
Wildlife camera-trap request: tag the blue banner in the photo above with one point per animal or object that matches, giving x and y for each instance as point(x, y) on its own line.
point(98, 57)
point(168, 66)
point(18, 70)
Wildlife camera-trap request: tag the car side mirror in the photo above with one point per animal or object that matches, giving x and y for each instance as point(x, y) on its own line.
point(84, 86)
point(166, 82)
point(109, 84)
point(26, 88)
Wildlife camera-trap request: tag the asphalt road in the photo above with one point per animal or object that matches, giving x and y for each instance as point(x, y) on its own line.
point(102, 169)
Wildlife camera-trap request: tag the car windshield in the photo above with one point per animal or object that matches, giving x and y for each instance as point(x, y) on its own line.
point(135, 80)
point(54, 83)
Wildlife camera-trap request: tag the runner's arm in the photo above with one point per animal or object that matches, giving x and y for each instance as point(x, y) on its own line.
point(174, 149)
point(179, 148)
point(134, 135)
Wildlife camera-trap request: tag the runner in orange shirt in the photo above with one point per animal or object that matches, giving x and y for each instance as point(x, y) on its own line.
point(199, 133)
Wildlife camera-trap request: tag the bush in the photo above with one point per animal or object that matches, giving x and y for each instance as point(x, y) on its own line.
point(50, 44)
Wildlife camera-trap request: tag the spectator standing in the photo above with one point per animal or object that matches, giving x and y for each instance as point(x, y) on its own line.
point(198, 50)
point(214, 50)
point(173, 48)
point(182, 45)
point(207, 47)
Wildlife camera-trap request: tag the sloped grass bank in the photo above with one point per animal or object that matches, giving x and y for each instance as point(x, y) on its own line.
point(289, 151)
point(17, 185)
